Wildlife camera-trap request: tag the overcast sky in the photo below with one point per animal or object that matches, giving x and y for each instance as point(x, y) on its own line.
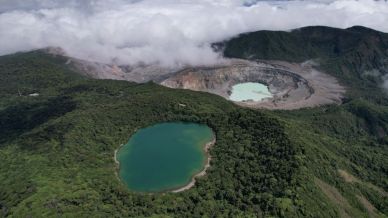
point(167, 32)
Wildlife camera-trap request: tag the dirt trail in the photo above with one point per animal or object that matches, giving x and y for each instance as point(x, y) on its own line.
point(335, 196)
point(352, 179)
point(367, 205)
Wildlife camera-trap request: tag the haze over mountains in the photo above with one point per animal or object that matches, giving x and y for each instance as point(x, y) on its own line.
point(319, 149)
point(60, 130)
point(169, 33)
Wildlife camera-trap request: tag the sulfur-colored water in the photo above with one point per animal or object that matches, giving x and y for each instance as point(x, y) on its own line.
point(164, 156)
point(249, 91)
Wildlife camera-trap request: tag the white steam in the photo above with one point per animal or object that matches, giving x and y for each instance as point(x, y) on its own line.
point(168, 32)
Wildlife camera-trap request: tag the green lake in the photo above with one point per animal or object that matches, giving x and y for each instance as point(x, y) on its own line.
point(163, 157)
point(249, 91)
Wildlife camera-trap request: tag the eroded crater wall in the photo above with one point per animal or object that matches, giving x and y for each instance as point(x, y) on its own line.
point(293, 85)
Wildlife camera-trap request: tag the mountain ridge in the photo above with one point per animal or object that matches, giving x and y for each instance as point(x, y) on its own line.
point(348, 54)
point(57, 148)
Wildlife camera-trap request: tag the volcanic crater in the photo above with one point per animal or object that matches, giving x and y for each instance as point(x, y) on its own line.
point(292, 86)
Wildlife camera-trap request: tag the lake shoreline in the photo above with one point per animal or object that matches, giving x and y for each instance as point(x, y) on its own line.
point(203, 172)
point(192, 182)
point(117, 166)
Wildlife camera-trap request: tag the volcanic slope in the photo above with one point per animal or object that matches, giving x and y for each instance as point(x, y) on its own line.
point(357, 56)
point(292, 86)
point(57, 147)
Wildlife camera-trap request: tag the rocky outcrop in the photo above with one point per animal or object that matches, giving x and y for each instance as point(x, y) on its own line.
point(292, 85)
point(139, 73)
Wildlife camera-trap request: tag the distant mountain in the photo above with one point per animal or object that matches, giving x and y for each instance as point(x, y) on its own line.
point(309, 43)
point(59, 130)
point(349, 54)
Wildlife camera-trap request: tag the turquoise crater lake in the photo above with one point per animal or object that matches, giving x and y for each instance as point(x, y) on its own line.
point(249, 92)
point(164, 157)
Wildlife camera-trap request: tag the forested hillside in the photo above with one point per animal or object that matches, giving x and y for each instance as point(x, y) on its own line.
point(57, 147)
point(358, 56)
point(346, 146)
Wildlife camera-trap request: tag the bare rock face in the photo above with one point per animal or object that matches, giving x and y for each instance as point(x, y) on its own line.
point(140, 73)
point(293, 85)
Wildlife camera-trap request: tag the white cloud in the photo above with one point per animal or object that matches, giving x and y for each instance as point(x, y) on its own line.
point(168, 32)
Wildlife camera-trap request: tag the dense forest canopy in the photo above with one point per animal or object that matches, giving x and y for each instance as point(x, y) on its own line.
point(57, 148)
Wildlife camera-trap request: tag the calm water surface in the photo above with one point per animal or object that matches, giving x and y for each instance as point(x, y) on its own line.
point(249, 91)
point(164, 156)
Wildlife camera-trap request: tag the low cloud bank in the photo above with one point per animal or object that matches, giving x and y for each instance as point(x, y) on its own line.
point(165, 32)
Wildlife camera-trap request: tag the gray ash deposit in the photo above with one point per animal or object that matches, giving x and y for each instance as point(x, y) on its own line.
point(293, 86)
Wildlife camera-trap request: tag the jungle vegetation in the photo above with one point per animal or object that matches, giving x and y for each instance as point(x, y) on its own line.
point(56, 149)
